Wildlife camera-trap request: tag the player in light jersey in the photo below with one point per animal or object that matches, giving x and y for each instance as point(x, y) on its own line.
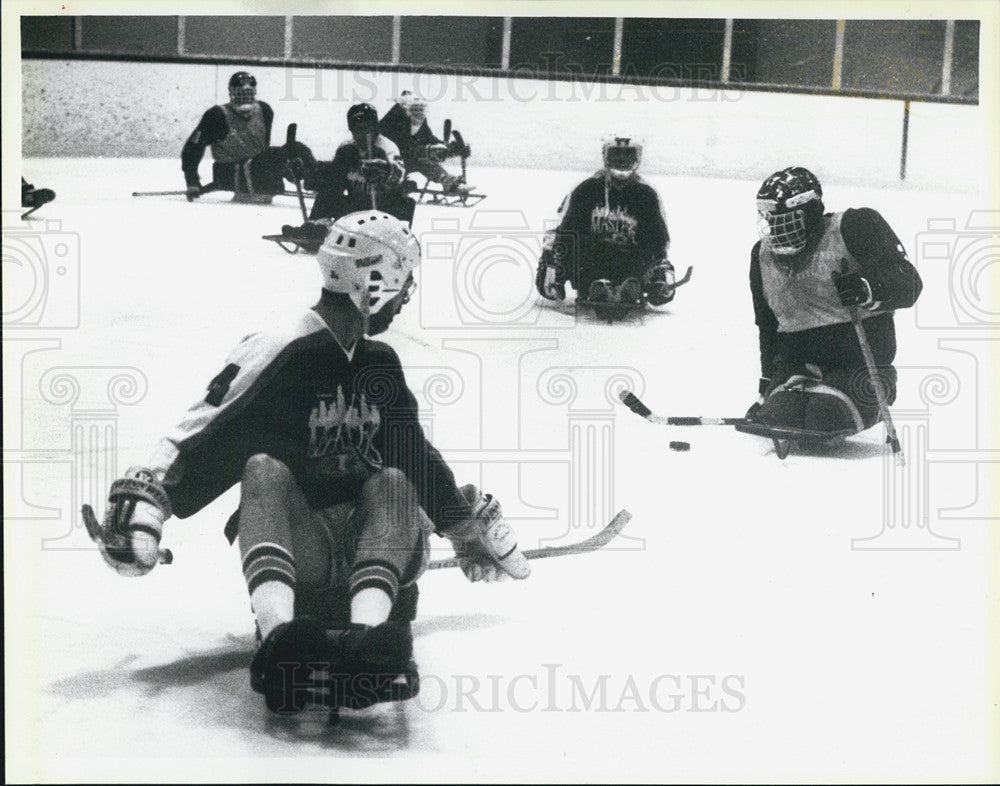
point(339, 488)
point(807, 272)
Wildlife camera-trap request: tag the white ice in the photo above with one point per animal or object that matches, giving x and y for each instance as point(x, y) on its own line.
point(772, 649)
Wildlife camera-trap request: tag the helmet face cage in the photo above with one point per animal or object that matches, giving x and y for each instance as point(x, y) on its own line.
point(416, 108)
point(370, 257)
point(242, 89)
point(621, 156)
point(789, 204)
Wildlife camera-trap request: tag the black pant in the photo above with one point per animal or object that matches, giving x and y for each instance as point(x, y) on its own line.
point(262, 174)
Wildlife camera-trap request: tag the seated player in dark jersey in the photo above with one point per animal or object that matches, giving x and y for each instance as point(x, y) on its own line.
point(239, 133)
point(809, 270)
point(406, 125)
point(611, 242)
point(366, 171)
point(340, 488)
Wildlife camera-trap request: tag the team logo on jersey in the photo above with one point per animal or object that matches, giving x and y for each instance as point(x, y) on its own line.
point(615, 224)
point(344, 430)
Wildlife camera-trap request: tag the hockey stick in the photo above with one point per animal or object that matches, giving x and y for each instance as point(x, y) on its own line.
point(369, 143)
point(461, 141)
point(684, 279)
point(95, 531)
point(202, 190)
point(293, 129)
point(601, 539)
point(630, 400)
point(876, 380)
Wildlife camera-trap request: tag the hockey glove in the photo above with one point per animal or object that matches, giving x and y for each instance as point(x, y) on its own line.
point(129, 538)
point(549, 279)
point(658, 283)
point(437, 152)
point(376, 171)
point(762, 391)
point(484, 543)
point(457, 148)
point(853, 289)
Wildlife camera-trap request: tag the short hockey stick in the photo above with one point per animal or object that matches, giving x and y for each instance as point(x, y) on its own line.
point(876, 380)
point(630, 400)
point(293, 129)
point(601, 539)
point(369, 143)
point(94, 529)
point(683, 279)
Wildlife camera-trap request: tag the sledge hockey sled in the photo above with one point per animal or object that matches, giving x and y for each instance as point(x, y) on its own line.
point(784, 437)
point(293, 245)
point(437, 196)
point(363, 691)
point(610, 311)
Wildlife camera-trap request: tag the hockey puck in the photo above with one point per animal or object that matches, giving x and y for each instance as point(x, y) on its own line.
point(680, 446)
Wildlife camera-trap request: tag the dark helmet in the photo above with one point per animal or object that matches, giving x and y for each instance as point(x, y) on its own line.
point(790, 208)
point(242, 89)
point(362, 115)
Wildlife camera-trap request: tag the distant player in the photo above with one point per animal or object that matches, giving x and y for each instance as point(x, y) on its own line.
point(239, 133)
point(366, 167)
point(340, 489)
point(612, 240)
point(406, 125)
point(807, 272)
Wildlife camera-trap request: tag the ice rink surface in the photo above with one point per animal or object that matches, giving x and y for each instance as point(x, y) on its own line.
point(732, 634)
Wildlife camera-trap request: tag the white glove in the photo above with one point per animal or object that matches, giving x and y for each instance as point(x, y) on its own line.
point(485, 544)
point(129, 538)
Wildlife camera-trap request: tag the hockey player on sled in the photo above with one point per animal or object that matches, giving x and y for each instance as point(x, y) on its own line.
point(424, 153)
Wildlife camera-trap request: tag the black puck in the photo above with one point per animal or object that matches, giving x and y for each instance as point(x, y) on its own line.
point(680, 446)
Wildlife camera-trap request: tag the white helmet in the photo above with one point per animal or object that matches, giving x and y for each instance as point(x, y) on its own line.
point(621, 155)
point(370, 257)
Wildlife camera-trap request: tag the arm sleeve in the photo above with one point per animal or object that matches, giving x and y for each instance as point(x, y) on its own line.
point(211, 129)
point(767, 323)
point(268, 113)
point(656, 241)
point(205, 453)
point(395, 159)
point(419, 460)
point(329, 176)
point(894, 281)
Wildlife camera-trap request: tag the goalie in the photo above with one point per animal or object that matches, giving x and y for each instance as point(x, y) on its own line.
point(406, 125)
point(612, 241)
point(339, 488)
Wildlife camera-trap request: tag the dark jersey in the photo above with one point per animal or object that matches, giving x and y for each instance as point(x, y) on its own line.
point(237, 142)
point(627, 217)
point(343, 177)
point(396, 126)
point(798, 314)
point(331, 419)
